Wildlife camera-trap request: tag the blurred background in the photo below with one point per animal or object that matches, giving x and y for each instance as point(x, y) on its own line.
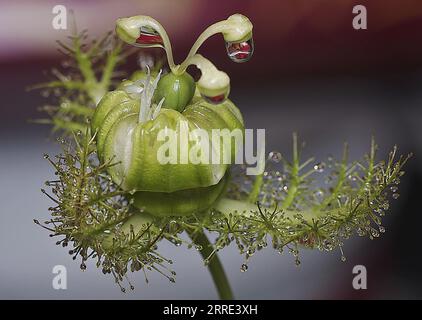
point(311, 73)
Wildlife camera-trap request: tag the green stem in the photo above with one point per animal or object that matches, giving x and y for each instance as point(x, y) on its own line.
point(293, 188)
point(340, 181)
point(214, 266)
point(210, 31)
point(256, 187)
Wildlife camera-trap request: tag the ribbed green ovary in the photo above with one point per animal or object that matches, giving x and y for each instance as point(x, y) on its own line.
point(134, 146)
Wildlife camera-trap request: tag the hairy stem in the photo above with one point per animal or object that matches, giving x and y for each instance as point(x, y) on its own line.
point(256, 187)
point(214, 266)
point(294, 171)
point(340, 180)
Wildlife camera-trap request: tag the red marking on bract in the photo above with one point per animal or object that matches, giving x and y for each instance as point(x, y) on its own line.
point(145, 38)
point(217, 99)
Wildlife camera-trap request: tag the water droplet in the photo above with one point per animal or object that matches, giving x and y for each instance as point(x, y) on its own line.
point(244, 267)
point(149, 37)
point(240, 51)
point(395, 196)
point(394, 188)
point(343, 258)
point(319, 194)
point(83, 266)
point(46, 156)
point(275, 157)
point(381, 229)
point(327, 245)
point(319, 167)
point(386, 205)
point(375, 233)
point(352, 177)
point(342, 199)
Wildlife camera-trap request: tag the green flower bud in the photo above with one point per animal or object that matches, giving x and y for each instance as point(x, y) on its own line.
point(177, 90)
point(134, 146)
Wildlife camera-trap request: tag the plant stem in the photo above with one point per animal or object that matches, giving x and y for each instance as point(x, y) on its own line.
point(210, 31)
point(294, 171)
point(214, 266)
point(256, 187)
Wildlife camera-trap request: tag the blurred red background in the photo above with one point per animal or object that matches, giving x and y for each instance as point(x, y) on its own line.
point(294, 36)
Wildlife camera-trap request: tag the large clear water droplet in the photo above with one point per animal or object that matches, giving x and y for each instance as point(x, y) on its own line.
point(240, 51)
point(149, 37)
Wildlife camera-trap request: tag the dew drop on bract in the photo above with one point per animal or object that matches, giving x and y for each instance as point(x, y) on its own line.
point(244, 267)
point(240, 51)
point(149, 37)
point(395, 196)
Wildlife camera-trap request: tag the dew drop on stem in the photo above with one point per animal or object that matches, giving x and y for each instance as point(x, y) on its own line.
point(319, 167)
point(274, 156)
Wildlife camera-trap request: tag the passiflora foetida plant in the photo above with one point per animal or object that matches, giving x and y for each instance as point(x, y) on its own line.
point(114, 200)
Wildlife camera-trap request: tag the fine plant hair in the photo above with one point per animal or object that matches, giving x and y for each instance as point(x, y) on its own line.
point(285, 208)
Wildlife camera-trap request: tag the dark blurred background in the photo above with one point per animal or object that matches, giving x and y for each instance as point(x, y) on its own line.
point(311, 73)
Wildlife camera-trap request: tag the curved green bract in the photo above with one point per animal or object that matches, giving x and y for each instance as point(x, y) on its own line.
point(135, 145)
point(179, 203)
